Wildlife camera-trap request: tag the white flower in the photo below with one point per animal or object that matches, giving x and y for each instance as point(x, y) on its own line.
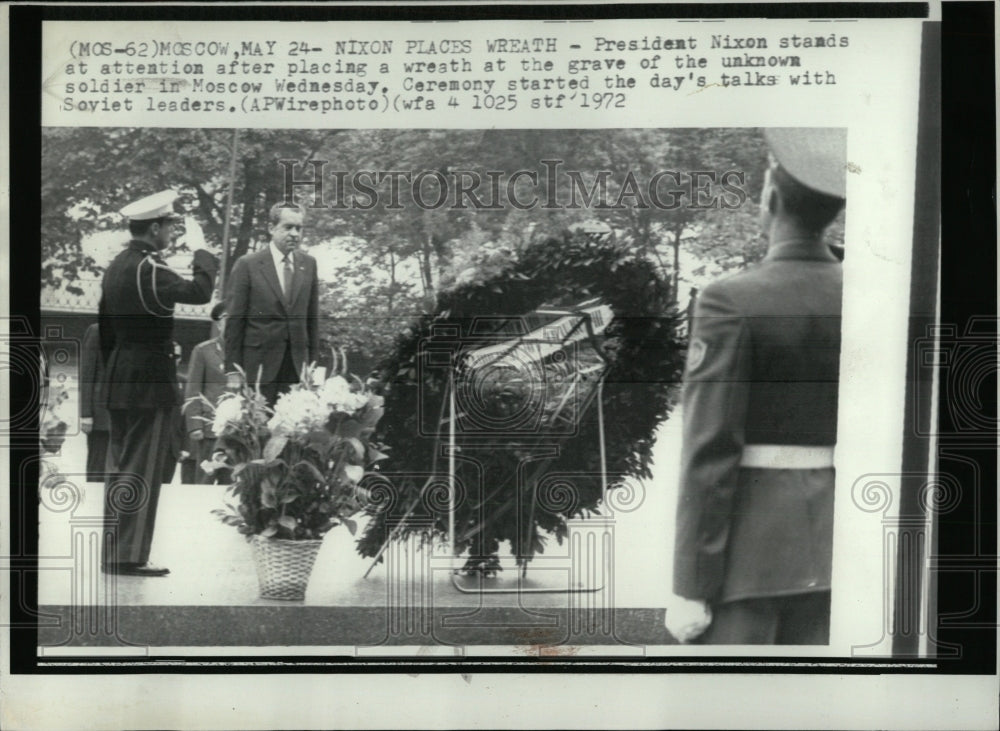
point(335, 390)
point(298, 411)
point(228, 411)
point(338, 396)
point(317, 374)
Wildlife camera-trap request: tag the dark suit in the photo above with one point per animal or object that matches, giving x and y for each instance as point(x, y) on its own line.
point(763, 369)
point(206, 377)
point(92, 398)
point(267, 334)
point(136, 330)
point(179, 445)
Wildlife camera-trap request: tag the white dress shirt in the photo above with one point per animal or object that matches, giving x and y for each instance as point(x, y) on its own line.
point(279, 264)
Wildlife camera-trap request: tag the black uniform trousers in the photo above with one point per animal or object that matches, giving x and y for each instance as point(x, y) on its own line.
point(177, 438)
point(137, 461)
point(97, 455)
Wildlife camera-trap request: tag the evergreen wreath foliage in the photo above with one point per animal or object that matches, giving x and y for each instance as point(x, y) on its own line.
point(645, 352)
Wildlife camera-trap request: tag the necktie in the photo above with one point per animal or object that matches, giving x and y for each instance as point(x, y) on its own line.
point(288, 277)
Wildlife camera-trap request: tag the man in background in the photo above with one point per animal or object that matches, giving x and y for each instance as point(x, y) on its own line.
point(206, 378)
point(179, 452)
point(754, 542)
point(95, 421)
point(272, 305)
point(136, 323)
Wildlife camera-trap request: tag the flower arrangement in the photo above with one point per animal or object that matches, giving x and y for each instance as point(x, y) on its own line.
point(53, 425)
point(297, 467)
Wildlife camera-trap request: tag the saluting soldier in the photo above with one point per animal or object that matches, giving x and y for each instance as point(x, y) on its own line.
point(755, 513)
point(136, 322)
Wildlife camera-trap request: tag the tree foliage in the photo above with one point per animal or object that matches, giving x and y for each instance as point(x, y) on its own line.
point(89, 173)
point(394, 256)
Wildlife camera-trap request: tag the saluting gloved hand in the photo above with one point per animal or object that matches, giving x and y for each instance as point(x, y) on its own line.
point(205, 260)
point(686, 619)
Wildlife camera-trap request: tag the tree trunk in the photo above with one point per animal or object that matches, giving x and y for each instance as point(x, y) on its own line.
point(209, 212)
point(244, 233)
point(392, 283)
point(676, 282)
point(426, 273)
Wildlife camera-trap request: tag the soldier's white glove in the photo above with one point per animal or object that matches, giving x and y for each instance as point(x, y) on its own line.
point(194, 237)
point(686, 619)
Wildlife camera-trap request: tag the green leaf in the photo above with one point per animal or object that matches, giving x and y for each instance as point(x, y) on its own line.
point(375, 455)
point(269, 531)
point(371, 417)
point(311, 469)
point(319, 436)
point(267, 494)
point(274, 447)
point(289, 497)
point(287, 521)
point(349, 429)
point(359, 447)
point(351, 525)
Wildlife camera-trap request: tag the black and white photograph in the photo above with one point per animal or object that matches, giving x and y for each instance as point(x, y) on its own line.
point(494, 350)
point(490, 385)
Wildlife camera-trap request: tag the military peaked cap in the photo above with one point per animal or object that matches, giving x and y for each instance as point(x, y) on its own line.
point(158, 205)
point(815, 156)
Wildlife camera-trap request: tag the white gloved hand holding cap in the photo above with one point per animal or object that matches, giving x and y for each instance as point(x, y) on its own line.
point(687, 619)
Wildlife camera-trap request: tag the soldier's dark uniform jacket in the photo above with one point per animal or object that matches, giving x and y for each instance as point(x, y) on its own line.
point(142, 396)
point(137, 323)
point(763, 369)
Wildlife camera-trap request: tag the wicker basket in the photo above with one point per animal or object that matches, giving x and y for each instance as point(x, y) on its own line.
point(284, 567)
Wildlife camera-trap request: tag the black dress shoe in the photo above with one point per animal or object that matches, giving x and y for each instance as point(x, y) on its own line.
point(133, 569)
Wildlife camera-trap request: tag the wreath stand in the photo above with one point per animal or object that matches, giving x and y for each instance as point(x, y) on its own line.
point(584, 316)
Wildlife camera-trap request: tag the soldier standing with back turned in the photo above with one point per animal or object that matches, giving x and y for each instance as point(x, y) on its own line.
point(754, 536)
point(136, 322)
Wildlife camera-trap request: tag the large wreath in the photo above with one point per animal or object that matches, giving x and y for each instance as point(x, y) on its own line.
point(506, 489)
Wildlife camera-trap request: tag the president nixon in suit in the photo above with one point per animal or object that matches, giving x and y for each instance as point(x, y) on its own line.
point(273, 306)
